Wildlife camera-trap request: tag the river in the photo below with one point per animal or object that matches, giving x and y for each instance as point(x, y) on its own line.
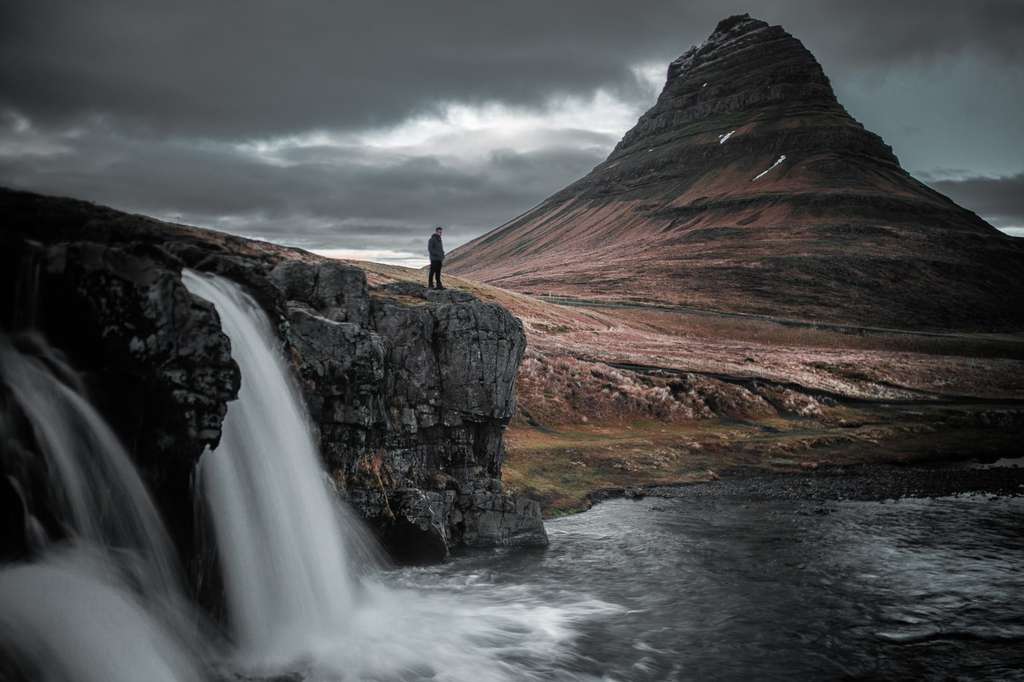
point(720, 588)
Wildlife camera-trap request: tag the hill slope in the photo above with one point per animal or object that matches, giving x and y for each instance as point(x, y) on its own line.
point(748, 187)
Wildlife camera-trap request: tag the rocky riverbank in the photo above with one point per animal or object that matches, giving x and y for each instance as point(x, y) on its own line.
point(569, 468)
point(836, 483)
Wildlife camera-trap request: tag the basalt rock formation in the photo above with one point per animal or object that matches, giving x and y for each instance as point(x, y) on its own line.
point(409, 389)
point(748, 187)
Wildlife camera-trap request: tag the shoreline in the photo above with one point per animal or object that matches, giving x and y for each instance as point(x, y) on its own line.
point(862, 482)
point(567, 469)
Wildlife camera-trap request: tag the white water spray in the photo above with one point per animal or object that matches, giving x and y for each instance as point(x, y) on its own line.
point(104, 501)
point(111, 608)
point(69, 618)
point(108, 608)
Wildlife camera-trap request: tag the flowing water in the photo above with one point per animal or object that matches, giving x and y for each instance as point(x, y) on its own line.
point(729, 589)
point(704, 587)
point(101, 496)
point(71, 618)
point(280, 537)
point(113, 583)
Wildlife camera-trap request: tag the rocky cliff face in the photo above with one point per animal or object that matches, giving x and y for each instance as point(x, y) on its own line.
point(748, 187)
point(410, 389)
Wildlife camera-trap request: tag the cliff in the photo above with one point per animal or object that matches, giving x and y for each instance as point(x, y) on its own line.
point(748, 187)
point(409, 389)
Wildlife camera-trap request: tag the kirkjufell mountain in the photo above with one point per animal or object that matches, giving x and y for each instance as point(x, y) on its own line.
point(749, 188)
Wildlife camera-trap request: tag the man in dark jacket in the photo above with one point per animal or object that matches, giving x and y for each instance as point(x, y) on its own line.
point(436, 250)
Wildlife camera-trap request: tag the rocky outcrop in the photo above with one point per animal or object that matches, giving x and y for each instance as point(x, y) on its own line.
point(409, 389)
point(748, 187)
point(411, 402)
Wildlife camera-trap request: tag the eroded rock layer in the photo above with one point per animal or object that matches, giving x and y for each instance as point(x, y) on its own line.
point(409, 389)
point(748, 187)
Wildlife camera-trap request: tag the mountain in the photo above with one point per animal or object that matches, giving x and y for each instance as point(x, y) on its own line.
point(749, 188)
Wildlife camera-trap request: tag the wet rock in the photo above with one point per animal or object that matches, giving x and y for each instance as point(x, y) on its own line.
point(495, 519)
point(144, 330)
point(412, 523)
point(341, 368)
point(153, 358)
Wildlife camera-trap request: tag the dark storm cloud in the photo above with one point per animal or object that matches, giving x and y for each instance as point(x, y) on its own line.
point(999, 199)
point(322, 197)
point(158, 106)
point(237, 69)
point(886, 33)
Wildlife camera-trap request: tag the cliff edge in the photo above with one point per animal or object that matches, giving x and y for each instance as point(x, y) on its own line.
point(410, 390)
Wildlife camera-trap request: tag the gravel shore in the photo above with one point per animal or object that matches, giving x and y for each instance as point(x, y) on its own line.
point(855, 482)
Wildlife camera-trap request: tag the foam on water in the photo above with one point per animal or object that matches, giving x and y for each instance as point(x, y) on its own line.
point(70, 617)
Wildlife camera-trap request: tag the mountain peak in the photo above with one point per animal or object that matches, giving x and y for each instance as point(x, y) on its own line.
point(726, 32)
point(744, 73)
point(748, 187)
point(741, 21)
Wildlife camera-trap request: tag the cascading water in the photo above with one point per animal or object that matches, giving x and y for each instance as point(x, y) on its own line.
point(96, 605)
point(113, 584)
point(278, 533)
point(105, 502)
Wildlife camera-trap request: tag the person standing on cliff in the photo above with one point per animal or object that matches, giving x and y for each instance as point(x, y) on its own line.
point(436, 250)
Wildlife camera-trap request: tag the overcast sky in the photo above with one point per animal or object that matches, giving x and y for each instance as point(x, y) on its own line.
point(355, 127)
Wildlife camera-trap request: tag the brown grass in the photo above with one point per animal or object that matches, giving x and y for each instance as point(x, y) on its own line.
point(585, 425)
point(860, 366)
point(563, 467)
point(711, 327)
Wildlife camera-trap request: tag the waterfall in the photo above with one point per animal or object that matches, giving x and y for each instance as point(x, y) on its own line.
point(104, 501)
point(106, 603)
point(280, 537)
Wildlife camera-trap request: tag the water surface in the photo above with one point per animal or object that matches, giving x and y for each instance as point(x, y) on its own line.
point(726, 589)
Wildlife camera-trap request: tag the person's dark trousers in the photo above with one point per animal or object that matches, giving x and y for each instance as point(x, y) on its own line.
point(435, 274)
